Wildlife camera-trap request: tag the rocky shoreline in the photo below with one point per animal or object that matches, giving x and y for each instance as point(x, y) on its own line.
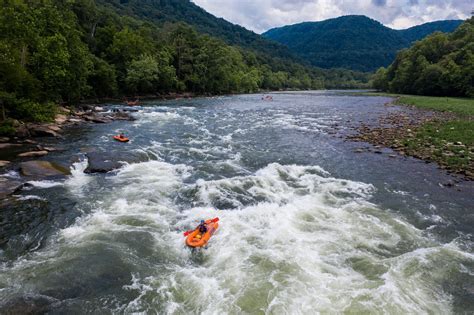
point(398, 131)
point(26, 143)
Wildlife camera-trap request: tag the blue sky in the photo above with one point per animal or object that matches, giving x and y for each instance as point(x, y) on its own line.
point(261, 15)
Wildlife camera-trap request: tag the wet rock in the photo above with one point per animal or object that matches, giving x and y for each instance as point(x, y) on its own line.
point(96, 119)
point(4, 139)
point(29, 141)
point(52, 149)
point(8, 145)
point(122, 116)
point(75, 120)
point(42, 131)
point(42, 169)
point(358, 151)
point(4, 163)
point(104, 162)
point(392, 156)
point(8, 186)
point(448, 184)
point(60, 119)
point(33, 154)
point(54, 128)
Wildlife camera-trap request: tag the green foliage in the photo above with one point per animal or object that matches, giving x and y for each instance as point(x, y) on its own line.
point(6, 128)
point(439, 65)
point(103, 77)
point(32, 111)
point(64, 51)
point(351, 42)
point(142, 75)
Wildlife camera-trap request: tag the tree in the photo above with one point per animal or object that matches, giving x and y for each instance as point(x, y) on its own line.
point(142, 75)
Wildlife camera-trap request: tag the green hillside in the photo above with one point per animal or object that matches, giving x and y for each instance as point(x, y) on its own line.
point(352, 42)
point(439, 65)
point(162, 11)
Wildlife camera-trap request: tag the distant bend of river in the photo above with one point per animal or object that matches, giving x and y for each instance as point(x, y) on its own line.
point(306, 224)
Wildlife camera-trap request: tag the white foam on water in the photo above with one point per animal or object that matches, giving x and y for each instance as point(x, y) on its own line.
point(78, 179)
point(142, 190)
point(312, 244)
point(30, 197)
point(11, 174)
point(146, 116)
point(298, 241)
point(45, 183)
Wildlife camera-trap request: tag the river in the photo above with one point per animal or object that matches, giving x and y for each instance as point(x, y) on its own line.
point(306, 224)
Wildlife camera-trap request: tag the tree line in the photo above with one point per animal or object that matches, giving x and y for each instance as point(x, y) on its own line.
point(439, 65)
point(63, 51)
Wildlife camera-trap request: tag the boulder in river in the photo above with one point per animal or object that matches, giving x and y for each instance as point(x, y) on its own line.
point(33, 154)
point(122, 116)
point(42, 131)
point(4, 139)
point(42, 169)
point(96, 119)
point(104, 162)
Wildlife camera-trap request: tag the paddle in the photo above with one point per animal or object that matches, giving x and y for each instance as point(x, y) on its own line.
point(190, 231)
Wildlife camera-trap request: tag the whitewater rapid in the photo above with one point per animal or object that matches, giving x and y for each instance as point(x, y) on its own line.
point(293, 238)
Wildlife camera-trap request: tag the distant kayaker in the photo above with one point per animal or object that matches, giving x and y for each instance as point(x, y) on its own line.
point(121, 136)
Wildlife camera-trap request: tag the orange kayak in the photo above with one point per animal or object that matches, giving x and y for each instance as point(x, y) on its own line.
point(121, 139)
point(196, 239)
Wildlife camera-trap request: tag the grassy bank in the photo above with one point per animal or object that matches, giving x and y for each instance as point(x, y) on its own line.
point(463, 107)
point(447, 139)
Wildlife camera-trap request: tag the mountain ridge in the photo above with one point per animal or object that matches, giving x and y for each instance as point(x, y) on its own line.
point(354, 42)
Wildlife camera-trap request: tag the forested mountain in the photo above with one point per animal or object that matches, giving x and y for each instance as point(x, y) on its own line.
point(440, 65)
point(352, 42)
point(162, 11)
point(64, 51)
point(418, 32)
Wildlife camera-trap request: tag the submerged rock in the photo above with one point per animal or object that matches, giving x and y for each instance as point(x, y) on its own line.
point(28, 304)
point(42, 169)
point(104, 162)
point(8, 186)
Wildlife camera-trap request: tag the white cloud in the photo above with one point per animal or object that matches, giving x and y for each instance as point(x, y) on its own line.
point(261, 15)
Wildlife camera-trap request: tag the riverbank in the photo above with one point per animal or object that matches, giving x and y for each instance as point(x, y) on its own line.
point(27, 147)
point(438, 129)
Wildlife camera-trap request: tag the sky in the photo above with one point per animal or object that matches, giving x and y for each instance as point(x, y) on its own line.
point(261, 15)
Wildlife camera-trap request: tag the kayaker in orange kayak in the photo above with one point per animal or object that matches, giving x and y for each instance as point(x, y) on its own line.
point(121, 138)
point(199, 237)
